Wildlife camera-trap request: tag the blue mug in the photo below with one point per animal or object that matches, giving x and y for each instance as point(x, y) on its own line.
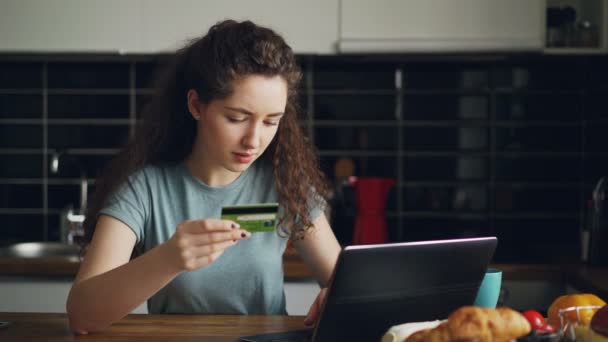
point(489, 291)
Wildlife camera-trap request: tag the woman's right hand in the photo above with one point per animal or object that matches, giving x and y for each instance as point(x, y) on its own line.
point(198, 243)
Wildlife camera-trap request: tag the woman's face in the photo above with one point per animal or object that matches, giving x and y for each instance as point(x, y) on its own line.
point(235, 131)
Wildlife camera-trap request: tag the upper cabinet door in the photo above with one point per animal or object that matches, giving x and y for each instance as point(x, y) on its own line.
point(309, 26)
point(68, 25)
point(441, 25)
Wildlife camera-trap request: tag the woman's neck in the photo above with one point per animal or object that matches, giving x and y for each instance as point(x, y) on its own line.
point(203, 170)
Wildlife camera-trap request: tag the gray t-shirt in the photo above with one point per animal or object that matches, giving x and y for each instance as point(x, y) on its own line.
point(246, 279)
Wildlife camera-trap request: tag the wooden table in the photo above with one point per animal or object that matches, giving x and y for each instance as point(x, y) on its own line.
point(54, 327)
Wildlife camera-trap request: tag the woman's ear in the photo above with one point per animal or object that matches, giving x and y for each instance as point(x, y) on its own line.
point(195, 107)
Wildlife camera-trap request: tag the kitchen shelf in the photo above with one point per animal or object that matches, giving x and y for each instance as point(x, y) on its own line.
point(462, 153)
point(537, 215)
point(49, 181)
point(19, 151)
point(92, 121)
point(88, 91)
point(532, 91)
point(28, 211)
point(355, 92)
point(448, 91)
point(21, 211)
point(398, 123)
point(8, 91)
point(575, 51)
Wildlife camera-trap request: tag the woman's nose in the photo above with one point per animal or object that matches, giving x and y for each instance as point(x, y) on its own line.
point(251, 139)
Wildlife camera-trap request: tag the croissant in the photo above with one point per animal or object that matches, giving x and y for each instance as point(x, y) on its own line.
point(470, 323)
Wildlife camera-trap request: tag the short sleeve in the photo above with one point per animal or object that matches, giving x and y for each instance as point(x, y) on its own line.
point(316, 206)
point(130, 204)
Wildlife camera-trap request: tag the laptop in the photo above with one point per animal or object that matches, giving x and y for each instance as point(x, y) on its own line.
point(374, 287)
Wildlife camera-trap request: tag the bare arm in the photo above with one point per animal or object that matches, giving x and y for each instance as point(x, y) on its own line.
point(319, 250)
point(109, 286)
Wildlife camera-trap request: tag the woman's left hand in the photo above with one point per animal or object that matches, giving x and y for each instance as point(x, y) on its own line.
point(315, 309)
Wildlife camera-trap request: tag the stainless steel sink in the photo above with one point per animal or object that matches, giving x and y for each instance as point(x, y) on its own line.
point(39, 250)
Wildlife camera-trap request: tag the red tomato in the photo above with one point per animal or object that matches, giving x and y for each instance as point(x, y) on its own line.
point(537, 321)
point(547, 329)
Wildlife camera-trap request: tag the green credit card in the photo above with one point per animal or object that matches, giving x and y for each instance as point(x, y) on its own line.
point(253, 217)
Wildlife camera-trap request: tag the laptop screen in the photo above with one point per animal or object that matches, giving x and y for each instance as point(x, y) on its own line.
point(374, 287)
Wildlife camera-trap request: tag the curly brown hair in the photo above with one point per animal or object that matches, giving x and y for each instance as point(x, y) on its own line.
point(210, 65)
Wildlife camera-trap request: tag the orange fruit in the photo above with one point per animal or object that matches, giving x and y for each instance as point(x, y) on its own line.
point(573, 300)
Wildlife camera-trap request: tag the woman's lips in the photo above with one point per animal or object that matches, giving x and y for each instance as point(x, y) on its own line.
point(243, 158)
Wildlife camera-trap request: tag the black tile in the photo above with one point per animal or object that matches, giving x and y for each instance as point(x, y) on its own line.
point(88, 75)
point(376, 167)
point(444, 77)
point(463, 199)
point(20, 196)
point(433, 228)
point(363, 166)
point(596, 105)
point(356, 138)
point(18, 228)
point(595, 136)
point(20, 136)
point(596, 166)
point(61, 196)
point(538, 240)
point(53, 223)
point(21, 106)
point(88, 106)
point(462, 138)
point(546, 75)
point(555, 107)
point(598, 77)
point(91, 164)
point(354, 107)
point(20, 75)
point(147, 72)
point(550, 139)
point(537, 199)
point(538, 169)
point(20, 166)
point(445, 168)
point(444, 107)
point(80, 136)
point(354, 76)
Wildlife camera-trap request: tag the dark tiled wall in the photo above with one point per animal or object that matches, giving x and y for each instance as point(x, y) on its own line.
point(509, 145)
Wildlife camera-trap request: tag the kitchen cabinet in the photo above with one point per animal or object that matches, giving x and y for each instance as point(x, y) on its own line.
point(441, 25)
point(308, 26)
point(299, 296)
point(150, 26)
point(68, 25)
point(32, 294)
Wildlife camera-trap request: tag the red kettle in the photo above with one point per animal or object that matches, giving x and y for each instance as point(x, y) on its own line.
point(371, 195)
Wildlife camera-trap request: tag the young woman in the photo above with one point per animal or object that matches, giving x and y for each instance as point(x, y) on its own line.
point(222, 130)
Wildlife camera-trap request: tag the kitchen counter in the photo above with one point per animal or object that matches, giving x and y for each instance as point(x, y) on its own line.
point(582, 277)
point(54, 327)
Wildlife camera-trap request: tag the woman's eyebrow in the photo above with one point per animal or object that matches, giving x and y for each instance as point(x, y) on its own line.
point(245, 111)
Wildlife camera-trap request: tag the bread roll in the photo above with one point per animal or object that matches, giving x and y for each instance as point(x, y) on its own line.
point(470, 323)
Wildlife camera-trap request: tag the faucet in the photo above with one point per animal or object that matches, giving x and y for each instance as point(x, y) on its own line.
point(71, 222)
